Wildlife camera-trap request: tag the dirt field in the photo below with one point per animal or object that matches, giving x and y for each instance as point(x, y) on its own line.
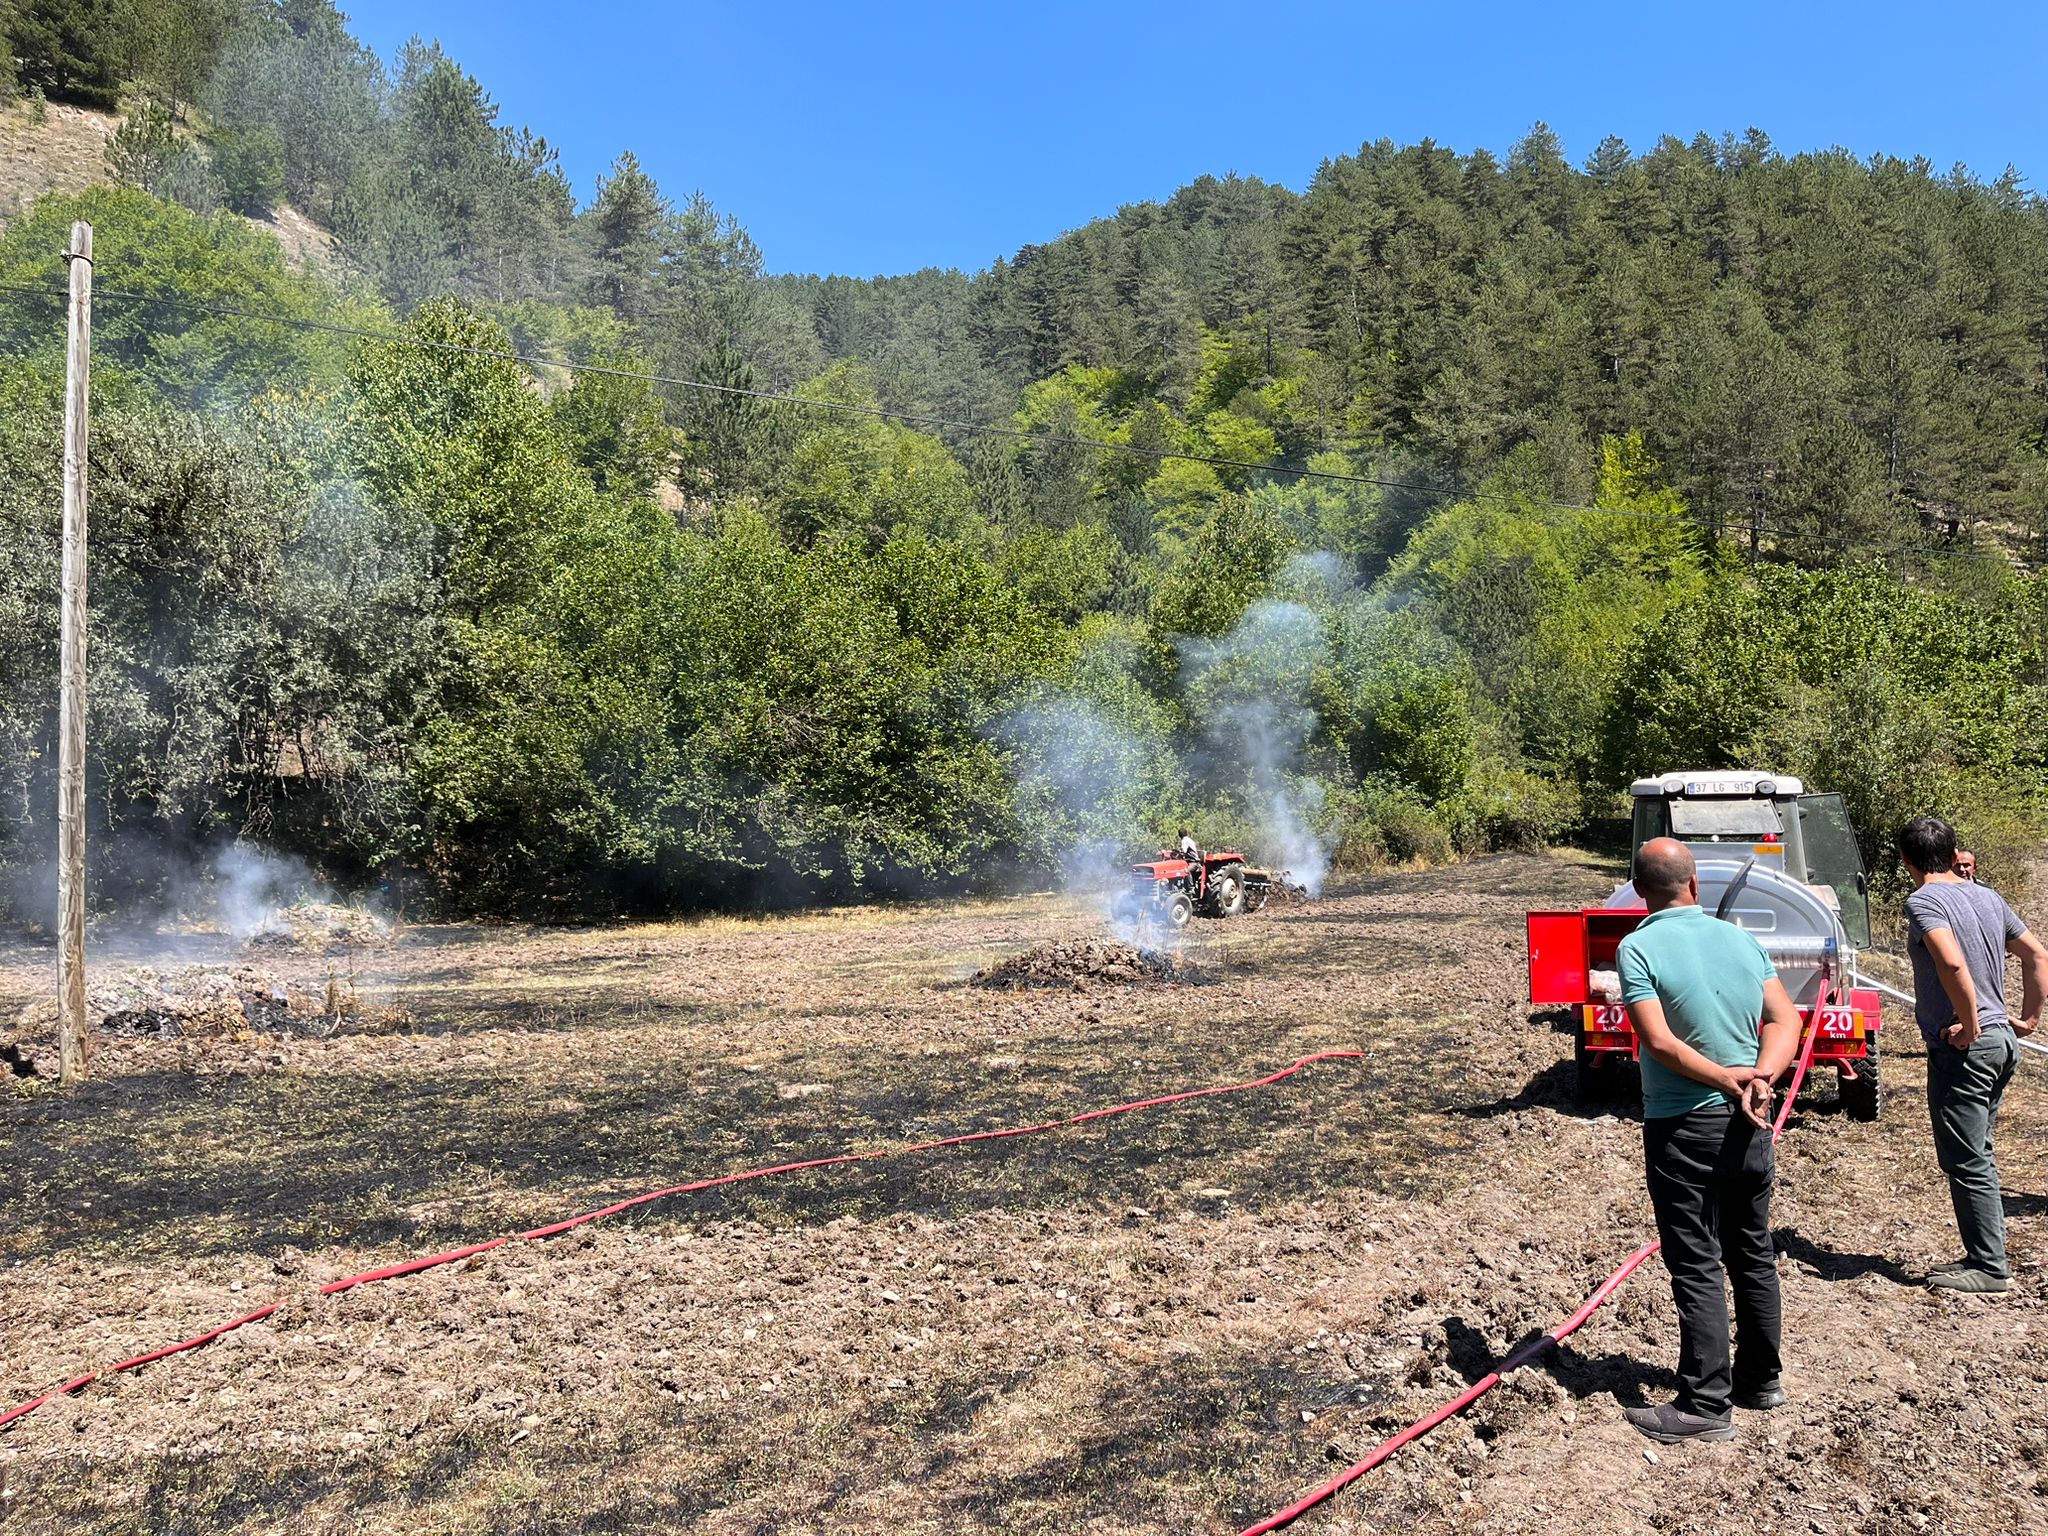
point(1171, 1321)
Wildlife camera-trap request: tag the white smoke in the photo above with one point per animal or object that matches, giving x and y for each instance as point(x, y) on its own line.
point(1086, 782)
point(1251, 690)
point(241, 890)
point(1099, 775)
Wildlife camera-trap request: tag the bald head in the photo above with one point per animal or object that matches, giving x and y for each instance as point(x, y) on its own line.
point(1664, 873)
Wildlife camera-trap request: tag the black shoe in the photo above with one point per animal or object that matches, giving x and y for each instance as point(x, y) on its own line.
point(1668, 1424)
point(1761, 1399)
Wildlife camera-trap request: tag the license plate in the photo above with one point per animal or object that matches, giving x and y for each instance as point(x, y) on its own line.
point(1607, 1016)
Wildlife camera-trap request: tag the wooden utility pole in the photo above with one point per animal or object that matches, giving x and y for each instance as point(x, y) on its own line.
point(74, 1045)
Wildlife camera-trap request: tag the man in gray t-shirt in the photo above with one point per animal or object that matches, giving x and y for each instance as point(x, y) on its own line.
point(1958, 934)
point(1982, 925)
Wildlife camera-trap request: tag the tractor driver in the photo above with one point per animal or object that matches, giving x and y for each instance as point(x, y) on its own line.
point(1187, 847)
point(1696, 989)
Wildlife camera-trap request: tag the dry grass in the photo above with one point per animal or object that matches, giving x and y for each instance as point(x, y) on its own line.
point(1158, 1323)
point(63, 152)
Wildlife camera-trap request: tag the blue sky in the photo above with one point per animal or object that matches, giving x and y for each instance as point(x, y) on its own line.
point(880, 139)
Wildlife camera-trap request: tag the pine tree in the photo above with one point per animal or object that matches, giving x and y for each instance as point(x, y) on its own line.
point(628, 233)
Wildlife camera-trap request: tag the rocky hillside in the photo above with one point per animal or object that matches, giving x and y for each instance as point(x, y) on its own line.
point(50, 148)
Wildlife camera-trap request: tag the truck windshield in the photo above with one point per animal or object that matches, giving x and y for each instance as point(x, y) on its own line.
point(1834, 860)
point(1725, 818)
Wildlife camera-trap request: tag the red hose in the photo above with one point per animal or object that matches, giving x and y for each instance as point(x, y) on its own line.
point(1527, 1352)
point(1805, 1061)
point(1456, 1405)
point(453, 1255)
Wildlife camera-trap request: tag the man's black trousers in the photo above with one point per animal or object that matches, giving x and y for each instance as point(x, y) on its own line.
point(1710, 1182)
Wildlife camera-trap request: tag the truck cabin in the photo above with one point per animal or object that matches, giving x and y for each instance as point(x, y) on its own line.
point(1769, 817)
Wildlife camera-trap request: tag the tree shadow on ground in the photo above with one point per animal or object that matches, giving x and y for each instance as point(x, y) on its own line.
point(1833, 1265)
point(163, 1165)
point(1554, 1088)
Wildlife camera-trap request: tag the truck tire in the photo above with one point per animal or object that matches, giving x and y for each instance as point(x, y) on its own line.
point(1226, 890)
point(1179, 909)
point(1863, 1095)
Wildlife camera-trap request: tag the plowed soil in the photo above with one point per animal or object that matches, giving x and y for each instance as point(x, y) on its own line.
point(1169, 1321)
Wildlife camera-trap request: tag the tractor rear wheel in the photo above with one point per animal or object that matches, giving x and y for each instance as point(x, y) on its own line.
point(1226, 890)
point(1863, 1095)
point(1179, 909)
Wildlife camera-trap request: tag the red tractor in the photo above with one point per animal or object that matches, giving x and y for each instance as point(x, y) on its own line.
point(1179, 888)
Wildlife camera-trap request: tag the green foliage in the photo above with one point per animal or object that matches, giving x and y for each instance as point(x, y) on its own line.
point(614, 429)
point(1327, 515)
point(1905, 700)
point(294, 71)
point(142, 245)
point(464, 442)
point(250, 166)
point(1542, 598)
point(569, 640)
point(846, 471)
point(636, 712)
point(1229, 563)
point(148, 152)
point(1065, 575)
point(72, 50)
point(263, 647)
point(1397, 701)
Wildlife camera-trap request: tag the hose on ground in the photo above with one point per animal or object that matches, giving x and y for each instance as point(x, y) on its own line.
point(1528, 1352)
point(554, 1229)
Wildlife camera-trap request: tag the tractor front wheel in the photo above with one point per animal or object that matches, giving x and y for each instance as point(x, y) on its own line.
point(1179, 909)
point(1863, 1094)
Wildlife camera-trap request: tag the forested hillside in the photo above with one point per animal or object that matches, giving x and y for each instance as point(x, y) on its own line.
point(1408, 514)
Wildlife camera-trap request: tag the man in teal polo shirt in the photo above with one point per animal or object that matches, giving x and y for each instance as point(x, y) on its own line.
point(1716, 1028)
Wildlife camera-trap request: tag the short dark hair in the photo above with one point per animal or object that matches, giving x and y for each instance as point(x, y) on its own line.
point(1928, 844)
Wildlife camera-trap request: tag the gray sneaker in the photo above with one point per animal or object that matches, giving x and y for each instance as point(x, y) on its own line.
point(1948, 1268)
point(1668, 1424)
point(1979, 1282)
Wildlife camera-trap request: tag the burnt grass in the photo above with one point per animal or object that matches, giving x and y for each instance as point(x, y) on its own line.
point(1173, 1320)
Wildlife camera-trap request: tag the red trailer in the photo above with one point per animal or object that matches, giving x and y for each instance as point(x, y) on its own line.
point(1572, 965)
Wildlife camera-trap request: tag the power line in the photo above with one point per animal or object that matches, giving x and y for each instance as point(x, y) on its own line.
point(913, 418)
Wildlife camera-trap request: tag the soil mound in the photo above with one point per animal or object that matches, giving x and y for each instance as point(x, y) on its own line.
point(202, 1000)
point(319, 926)
point(192, 1002)
point(1078, 965)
